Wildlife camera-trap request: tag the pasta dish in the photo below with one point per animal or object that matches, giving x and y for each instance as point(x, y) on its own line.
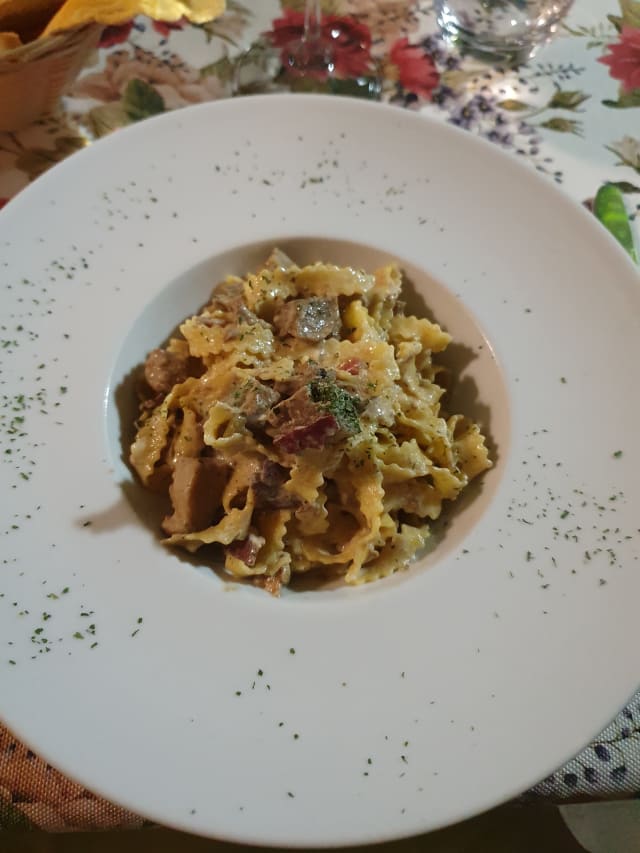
point(297, 422)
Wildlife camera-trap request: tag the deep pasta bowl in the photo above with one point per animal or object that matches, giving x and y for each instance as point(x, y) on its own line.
point(394, 707)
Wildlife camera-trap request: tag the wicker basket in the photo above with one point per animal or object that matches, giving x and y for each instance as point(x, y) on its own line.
point(35, 75)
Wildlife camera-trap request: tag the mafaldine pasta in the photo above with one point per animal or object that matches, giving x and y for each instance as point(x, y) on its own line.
point(297, 423)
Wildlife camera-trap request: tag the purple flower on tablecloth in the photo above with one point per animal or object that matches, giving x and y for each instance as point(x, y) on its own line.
point(468, 95)
point(504, 139)
point(624, 59)
point(618, 773)
point(605, 766)
point(482, 114)
point(470, 113)
point(438, 51)
point(590, 774)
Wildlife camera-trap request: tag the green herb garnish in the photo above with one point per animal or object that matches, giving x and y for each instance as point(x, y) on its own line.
point(338, 402)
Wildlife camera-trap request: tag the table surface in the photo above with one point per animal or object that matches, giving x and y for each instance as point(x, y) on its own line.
point(566, 113)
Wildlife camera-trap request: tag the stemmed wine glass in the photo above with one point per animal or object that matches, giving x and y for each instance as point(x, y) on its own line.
point(328, 55)
point(313, 53)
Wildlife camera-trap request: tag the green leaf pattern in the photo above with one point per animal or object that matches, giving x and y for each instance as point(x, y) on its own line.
point(630, 10)
point(567, 100)
point(628, 150)
point(562, 125)
point(626, 100)
point(141, 100)
point(11, 818)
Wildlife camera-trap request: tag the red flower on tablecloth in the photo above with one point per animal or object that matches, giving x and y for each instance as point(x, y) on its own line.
point(165, 27)
point(3, 201)
point(120, 33)
point(351, 41)
point(414, 69)
point(624, 59)
point(116, 34)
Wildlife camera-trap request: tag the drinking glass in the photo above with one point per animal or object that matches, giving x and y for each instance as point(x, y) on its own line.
point(500, 31)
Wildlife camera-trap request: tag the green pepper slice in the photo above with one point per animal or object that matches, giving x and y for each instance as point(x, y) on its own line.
point(609, 208)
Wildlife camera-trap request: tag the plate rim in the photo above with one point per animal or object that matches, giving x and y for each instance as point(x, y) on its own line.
point(39, 185)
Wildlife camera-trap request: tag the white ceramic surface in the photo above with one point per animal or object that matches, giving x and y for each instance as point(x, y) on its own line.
point(418, 700)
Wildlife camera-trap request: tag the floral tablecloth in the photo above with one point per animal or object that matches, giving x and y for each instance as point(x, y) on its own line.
point(572, 113)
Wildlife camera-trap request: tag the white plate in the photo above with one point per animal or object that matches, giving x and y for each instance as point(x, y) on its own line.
point(418, 700)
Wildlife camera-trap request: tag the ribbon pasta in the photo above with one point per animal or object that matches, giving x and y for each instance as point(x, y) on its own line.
point(298, 424)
